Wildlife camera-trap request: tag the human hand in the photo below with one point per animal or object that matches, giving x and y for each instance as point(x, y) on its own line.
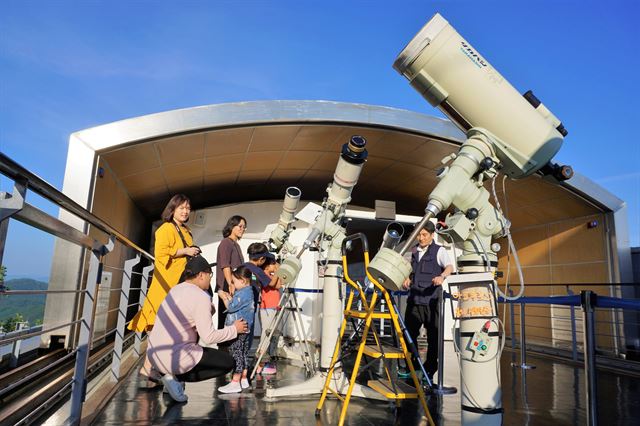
point(224, 296)
point(188, 251)
point(438, 280)
point(406, 284)
point(241, 326)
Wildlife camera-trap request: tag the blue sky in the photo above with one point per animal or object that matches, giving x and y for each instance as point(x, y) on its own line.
point(67, 66)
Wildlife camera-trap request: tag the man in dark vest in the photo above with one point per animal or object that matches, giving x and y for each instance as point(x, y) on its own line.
point(431, 265)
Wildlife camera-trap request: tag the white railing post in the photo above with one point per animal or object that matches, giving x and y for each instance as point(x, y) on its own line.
point(79, 386)
point(122, 316)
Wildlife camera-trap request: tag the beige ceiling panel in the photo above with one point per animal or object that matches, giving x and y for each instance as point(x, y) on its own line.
point(287, 175)
point(272, 138)
point(187, 186)
point(373, 167)
point(153, 201)
point(184, 171)
point(395, 145)
point(220, 179)
point(327, 162)
point(401, 175)
point(144, 181)
point(319, 175)
point(261, 161)
point(224, 142)
point(317, 138)
point(258, 177)
point(430, 154)
point(299, 159)
point(133, 159)
point(136, 193)
point(181, 148)
point(223, 164)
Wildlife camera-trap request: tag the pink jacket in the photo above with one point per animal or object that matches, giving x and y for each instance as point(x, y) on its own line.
point(183, 316)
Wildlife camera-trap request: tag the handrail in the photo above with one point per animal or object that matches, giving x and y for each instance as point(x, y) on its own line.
point(600, 301)
point(4, 342)
point(37, 373)
point(622, 284)
point(615, 302)
point(551, 300)
point(15, 171)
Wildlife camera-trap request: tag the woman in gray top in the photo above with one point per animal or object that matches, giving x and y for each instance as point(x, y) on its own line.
point(229, 257)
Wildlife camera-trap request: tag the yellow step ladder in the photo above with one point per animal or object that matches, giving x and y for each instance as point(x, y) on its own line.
point(391, 389)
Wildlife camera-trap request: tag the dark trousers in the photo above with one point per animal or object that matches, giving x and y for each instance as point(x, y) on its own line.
point(239, 350)
point(214, 363)
point(429, 316)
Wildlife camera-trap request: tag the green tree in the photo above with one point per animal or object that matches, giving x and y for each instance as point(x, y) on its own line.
point(3, 274)
point(10, 323)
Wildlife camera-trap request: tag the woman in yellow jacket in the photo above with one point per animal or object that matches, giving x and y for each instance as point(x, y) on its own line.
point(173, 245)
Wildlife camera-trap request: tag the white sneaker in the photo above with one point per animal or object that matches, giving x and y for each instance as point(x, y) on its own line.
point(232, 387)
point(174, 388)
point(244, 384)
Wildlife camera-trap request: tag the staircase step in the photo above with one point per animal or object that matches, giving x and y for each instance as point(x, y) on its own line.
point(389, 351)
point(385, 388)
point(363, 314)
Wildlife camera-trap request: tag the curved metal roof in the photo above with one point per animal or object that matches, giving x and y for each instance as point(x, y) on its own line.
point(245, 151)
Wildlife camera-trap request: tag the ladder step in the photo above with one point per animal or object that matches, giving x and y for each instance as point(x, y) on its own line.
point(363, 314)
point(389, 351)
point(385, 388)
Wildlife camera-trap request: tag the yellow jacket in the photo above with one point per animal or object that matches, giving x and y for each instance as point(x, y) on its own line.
point(166, 273)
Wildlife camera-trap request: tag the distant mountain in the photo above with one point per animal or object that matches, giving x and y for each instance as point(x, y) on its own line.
point(43, 278)
point(30, 306)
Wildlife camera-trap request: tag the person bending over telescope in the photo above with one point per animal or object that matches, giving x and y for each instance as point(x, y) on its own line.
point(183, 317)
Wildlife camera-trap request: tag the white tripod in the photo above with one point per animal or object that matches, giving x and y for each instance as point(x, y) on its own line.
point(288, 304)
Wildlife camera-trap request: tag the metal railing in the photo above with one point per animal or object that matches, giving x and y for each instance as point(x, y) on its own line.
point(588, 301)
point(14, 206)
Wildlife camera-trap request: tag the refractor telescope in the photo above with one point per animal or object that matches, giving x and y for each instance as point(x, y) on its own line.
point(352, 157)
point(278, 240)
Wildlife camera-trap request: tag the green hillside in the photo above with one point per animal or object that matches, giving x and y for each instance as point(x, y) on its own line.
point(30, 306)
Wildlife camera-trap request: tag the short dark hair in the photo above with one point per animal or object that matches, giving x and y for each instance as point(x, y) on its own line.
point(242, 273)
point(269, 261)
point(233, 221)
point(429, 227)
point(175, 201)
point(256, 248)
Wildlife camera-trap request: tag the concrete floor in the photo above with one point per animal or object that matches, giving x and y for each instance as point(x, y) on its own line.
point(553, 393)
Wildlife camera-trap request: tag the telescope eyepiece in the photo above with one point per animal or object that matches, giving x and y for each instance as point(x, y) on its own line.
point(354, 151)
point(357, 143)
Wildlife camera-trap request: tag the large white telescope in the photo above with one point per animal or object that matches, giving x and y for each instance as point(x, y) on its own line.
point(505, 132)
